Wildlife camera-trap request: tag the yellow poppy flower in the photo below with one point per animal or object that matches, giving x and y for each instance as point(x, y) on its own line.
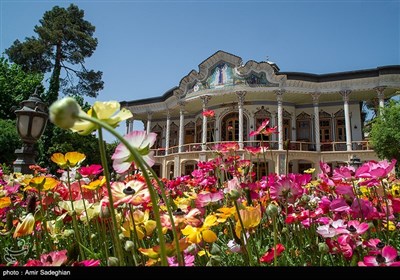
point(108, 112)
point(25, 227)
point(309, 170)
point(196, 235)
point(92, 211)
point(225, 213)
point(144, 226)
point(251, 217)
point(70, 159)
point(94, 185)
point(149, 252)
point(391, 227)
point(5, 202)
point(395, 190)
point(41, 183)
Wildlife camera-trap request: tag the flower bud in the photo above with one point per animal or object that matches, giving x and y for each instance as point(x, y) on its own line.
point(64, 112)
point(68, 232)
point(104, 212)
point(305, 198)
point(112, 261)
point(272, 210)
point(129, 245)
point(323, 248)
point(234, 194)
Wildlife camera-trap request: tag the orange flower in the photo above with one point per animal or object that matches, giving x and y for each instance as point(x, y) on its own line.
point(5, 202)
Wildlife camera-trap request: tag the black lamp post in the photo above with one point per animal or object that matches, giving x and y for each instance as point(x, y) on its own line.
point(31, 122)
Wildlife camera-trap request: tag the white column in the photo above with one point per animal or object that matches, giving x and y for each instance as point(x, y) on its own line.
point(131, 126)
point(294, 131)
point(167, 133)
point(240, 95)
point(315, 97)
point(181, 125)
point(279, 98)
point(205, 100)
point(381, 97)
point(346, 94)
point(149, 115)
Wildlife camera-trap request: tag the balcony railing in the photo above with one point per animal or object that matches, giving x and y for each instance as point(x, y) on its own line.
point(272, 145)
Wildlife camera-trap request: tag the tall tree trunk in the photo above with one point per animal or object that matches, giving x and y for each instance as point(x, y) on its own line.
point(50, 98)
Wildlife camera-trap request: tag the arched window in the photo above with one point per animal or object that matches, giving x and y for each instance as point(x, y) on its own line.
point(173, 137)
point(325, 127)
point(287, 125)
point(260, 116)
point(199, 130)
point(303, 124)
point(230, 127)
point(159, 131)
point(340, 126)
point(189, 132)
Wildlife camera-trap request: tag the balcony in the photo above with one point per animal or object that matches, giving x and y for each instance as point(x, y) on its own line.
point(272, 145)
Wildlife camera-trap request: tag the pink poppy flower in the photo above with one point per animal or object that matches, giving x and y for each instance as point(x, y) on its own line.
point(264, 129)
point(388, 257)
point(139, 140)
point(373, 169)
point(55, 258)
point(203, 199)
point(87, 263)
point(91, 170)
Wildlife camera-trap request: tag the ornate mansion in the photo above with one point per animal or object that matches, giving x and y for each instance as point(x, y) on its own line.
point(319, 113)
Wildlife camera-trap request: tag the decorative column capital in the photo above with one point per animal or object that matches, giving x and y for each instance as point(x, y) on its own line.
point(168, 114)
point(279, 94)
point(315, 97)
point(205, 99)
point(380, 91)
point(241, 95)
point(149, 115)
point(345, 94)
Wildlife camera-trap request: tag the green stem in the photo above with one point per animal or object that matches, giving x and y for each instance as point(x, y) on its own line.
point(118, 248)
point(73, 216)
point(139, 162)
point(87, 216)
point(246, 245)
point(387, 211)
point(358, 201)
point(275, 240)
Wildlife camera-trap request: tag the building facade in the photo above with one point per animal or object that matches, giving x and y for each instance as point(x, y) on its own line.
point(320, 114)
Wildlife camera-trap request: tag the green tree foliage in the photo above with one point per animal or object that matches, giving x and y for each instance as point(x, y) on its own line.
point(385, 133)
point(9, 141)
point(15, 86)
point(64, 40)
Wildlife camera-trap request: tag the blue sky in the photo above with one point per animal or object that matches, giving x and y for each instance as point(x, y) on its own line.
point(146, 47)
